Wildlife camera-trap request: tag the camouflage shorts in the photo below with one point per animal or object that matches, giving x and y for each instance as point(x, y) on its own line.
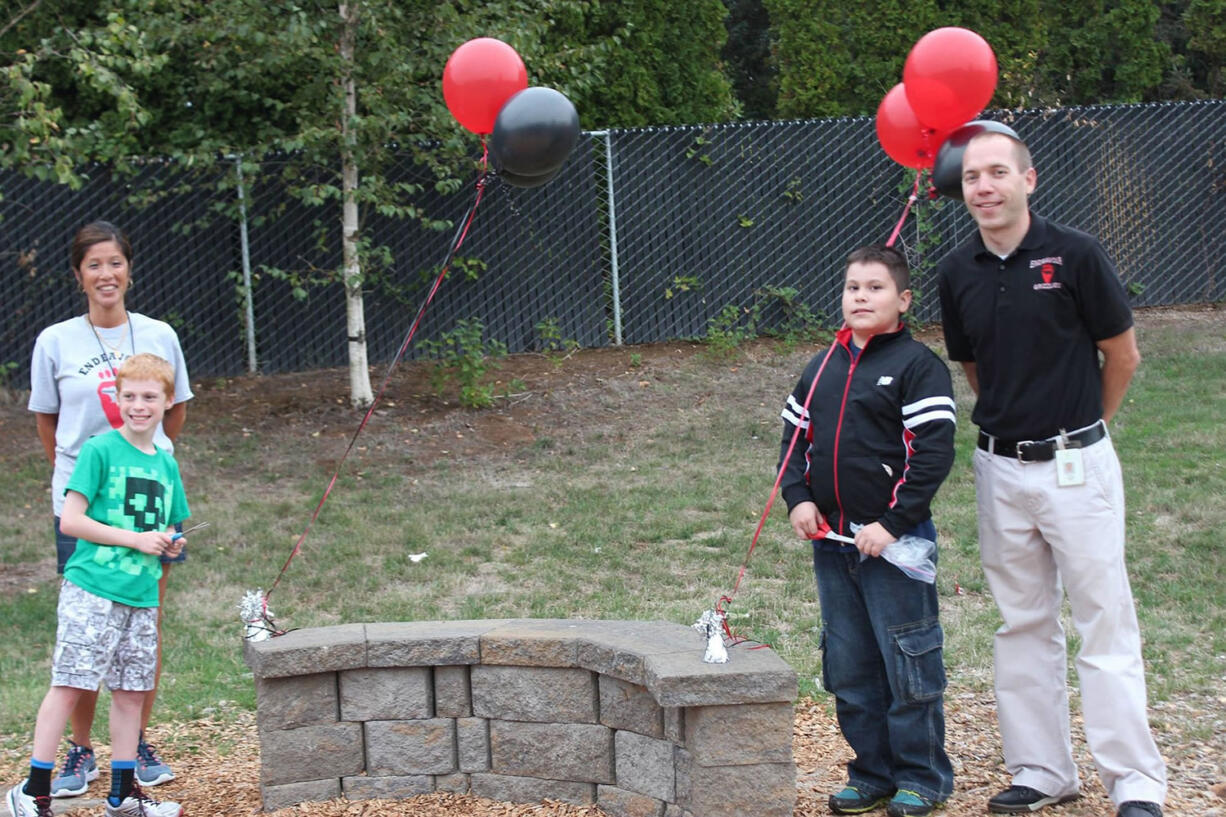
point(98, 639)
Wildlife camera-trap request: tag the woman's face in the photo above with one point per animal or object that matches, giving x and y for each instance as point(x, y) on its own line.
point(104, 275)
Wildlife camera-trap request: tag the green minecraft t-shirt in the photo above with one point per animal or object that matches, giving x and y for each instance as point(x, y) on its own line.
point(125, 488)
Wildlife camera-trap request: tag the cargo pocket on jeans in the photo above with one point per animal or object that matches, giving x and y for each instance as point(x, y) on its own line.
point(919, 660)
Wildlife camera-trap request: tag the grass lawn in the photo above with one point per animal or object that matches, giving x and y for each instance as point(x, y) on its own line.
point(611, 484)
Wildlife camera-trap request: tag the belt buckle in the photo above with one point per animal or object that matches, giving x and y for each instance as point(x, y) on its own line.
point(1018, 449)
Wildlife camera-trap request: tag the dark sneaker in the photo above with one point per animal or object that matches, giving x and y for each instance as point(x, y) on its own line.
point(852, 801)
point(1139, 808)
point(907, 803)
point(139, 804)
point(80, 769)
point(150, 770)
point(1024, 800)
point(23, 805)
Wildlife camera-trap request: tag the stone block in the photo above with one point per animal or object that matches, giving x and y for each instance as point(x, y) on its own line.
point(301, 700)
point(426, 643)
point(557, 751)
point(534, 643)
point(291, 794)
point(674, 724)
point(624, 705)
point(308, 651)
point(619, 648)
point(763, 790)
point(617, 802)
point(454, 783)
point(361, 787)
point(531, 789)
point(673, 810)
point(739, 735)
point(311, 753)
point(541, 694)
point(452, 694)
point(645, 765)
point(411, 747)
point(473, 739)
point(386, 694)
point(751, 676)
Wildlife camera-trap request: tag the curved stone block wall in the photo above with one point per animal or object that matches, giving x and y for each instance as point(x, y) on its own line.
point(623, 714)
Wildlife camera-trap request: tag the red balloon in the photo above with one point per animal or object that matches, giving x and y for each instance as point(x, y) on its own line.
point(904, 138)
point(479, 77)
point(950, 76)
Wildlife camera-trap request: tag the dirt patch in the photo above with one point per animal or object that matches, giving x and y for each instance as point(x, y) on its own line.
point(218, 766)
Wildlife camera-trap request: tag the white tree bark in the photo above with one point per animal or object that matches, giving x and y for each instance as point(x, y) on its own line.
point(360, 395)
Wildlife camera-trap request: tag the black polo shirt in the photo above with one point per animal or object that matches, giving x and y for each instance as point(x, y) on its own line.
point(1030, 323)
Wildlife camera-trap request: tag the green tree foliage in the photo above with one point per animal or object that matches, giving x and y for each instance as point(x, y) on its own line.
point(57, 60)
point(1205, 21)
point(748, 58)
point(658, 62)
point(839, 59)
point(1101, 51)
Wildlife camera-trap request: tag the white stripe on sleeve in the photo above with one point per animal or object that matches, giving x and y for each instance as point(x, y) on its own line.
point(928, 416)
point(795, 413)
point(927, 403)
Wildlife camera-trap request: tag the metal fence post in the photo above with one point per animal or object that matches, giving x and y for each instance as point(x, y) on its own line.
point(613, 271)
point(248, 297)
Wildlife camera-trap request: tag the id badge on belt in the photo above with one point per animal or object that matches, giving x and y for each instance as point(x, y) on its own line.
point(1069, 468)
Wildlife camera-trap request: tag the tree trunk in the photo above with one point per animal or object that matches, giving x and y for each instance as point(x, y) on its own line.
point(360, 394)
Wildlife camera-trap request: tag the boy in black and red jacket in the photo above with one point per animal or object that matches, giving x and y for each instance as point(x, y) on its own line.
point(877, 440)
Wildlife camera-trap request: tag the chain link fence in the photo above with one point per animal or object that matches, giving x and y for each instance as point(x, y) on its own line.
point(647, 235)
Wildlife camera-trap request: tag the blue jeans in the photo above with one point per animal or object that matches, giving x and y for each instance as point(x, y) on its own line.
point(882, 661)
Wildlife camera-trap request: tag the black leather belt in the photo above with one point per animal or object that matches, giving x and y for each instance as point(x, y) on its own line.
point(1040, 450)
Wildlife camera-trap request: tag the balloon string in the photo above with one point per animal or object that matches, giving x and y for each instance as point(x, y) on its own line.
point(456, 242)
point(910, 201)
point(723, 600)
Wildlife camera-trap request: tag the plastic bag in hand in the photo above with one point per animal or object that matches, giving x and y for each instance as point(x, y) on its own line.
point(911, 554)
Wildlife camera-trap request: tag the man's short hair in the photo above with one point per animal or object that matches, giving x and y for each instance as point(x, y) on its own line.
point(893, 260)
point(1021, 153)
point(145, 366)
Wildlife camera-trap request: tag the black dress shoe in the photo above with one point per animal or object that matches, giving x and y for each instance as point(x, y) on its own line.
point(1024, 800)
point(1139, 808)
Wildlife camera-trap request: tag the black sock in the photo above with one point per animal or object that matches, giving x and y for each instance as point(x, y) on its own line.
point(39, 783)
point(123, 775)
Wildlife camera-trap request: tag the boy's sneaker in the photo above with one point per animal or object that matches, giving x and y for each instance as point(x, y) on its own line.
point(852, 801)
point(23, 805)
point(907, 803)
point(150, 770)
point(1024, 800)
point(139, 804)
point(80, 769)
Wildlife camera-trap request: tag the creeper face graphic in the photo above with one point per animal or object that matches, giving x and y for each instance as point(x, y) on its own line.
point(144, 503)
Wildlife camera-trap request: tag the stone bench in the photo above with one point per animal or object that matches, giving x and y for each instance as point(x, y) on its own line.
point(623, 714)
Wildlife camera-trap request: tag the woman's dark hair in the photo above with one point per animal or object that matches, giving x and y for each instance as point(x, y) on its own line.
point(96, 232)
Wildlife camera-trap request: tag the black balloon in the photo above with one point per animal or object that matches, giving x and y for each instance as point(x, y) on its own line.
point(947, 169)
point(535, 132)
point(518, 180)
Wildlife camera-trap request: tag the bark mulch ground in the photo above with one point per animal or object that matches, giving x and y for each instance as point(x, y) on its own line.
point(218, 765)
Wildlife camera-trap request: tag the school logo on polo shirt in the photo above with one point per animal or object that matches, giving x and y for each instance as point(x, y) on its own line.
point(1047, 271)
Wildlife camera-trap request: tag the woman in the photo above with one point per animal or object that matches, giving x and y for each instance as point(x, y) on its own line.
point(72, 395)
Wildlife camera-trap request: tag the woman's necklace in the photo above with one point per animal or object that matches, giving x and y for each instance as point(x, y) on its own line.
point(115, 347)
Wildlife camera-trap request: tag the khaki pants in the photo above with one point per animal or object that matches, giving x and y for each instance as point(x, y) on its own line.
point(1034, 537)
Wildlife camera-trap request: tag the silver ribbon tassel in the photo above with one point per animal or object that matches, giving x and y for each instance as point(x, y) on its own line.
point(711, 625)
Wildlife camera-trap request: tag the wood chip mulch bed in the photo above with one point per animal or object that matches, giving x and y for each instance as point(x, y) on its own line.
point(218, 766)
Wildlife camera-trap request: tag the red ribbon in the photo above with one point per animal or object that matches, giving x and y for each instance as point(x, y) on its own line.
point(466, 222)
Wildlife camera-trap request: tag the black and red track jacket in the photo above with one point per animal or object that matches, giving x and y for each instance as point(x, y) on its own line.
point(878, 437)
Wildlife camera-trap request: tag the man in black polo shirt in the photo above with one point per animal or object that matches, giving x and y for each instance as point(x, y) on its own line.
point(1028, 306)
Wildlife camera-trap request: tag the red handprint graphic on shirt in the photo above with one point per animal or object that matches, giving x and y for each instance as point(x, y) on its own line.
point(106, 396)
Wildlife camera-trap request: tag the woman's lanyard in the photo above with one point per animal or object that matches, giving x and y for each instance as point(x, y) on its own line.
point(114, 349)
